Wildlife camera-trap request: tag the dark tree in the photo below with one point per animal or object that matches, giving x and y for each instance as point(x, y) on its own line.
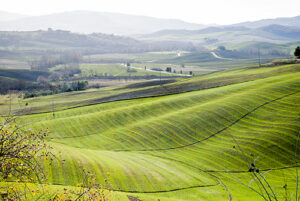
point(79, 86)
point(297, 52)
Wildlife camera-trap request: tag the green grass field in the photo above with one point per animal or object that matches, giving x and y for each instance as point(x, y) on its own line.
point(175, 142)
point(116, 70)
point(204, 67)
point(201, 58)
point(96, 96)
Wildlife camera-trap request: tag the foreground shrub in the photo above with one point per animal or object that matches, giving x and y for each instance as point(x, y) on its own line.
point(22, 176)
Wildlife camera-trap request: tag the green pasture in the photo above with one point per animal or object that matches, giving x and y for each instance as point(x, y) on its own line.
point(115, 70)
point(95, 96)
point(179, 146)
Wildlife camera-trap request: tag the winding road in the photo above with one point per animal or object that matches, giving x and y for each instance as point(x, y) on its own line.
point(218, 57)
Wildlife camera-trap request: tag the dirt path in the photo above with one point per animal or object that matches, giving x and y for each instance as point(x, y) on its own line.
point(218, 57)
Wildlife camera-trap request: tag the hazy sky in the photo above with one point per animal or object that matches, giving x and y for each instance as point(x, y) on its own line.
point(198, 11)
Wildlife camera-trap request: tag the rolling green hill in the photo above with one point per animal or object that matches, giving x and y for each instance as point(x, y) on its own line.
point(181, 141)
point(96, 96)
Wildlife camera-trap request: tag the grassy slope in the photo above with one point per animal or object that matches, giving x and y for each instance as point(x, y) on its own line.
point(117, 70)
point(169, 143)
point(91, 97)
point(137, 57)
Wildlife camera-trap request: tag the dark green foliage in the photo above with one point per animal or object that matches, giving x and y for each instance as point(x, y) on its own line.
point(74, 86)
point(278, 62)
point(169, 69)
point(297, 52)
point(60, 88)
point(23, 74)
point(7, 84)
point(79, 86)
point(37, 93)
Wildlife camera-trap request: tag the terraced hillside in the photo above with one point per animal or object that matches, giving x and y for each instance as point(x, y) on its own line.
point(187, 140)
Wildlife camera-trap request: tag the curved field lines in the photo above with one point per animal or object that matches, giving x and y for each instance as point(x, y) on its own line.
point(186, 146)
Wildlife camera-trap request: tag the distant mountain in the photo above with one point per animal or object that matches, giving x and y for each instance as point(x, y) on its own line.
point(285, 21)
point(6, 16)
point(221, 29)
point(270, 30)
point(207, 30)
point(271, 33)
point(90, 22)
point(283, 31)
point(17, 44)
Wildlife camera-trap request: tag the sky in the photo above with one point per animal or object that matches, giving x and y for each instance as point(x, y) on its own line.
point(197, 11)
